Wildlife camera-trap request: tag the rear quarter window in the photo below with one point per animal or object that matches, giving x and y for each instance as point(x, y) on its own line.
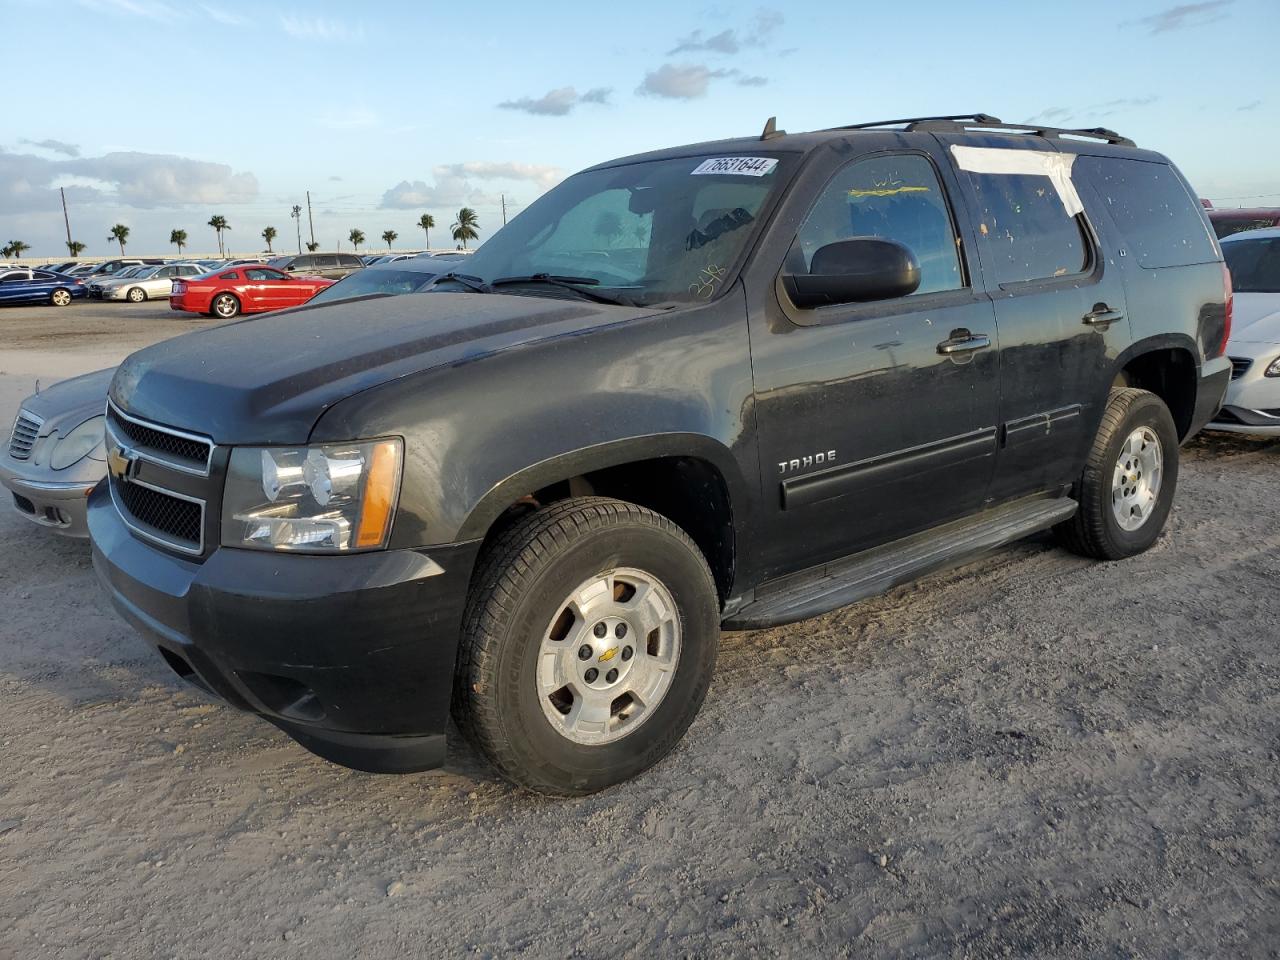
point(1161, 223)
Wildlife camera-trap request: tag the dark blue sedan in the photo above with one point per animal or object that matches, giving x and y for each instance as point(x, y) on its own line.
point(39, 286)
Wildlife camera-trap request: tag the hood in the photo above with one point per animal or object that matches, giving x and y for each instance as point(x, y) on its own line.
point(1255, 318)
point(70, 402)
point(268, 380)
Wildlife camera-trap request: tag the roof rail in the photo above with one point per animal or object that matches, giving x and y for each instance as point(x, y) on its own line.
point(983, 121)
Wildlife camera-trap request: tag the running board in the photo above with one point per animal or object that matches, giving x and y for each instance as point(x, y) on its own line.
point(868, 574)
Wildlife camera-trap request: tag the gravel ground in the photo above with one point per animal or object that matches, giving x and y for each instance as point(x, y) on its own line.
point(1033, 755)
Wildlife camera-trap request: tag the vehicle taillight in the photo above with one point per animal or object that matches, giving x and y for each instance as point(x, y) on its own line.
point(1229, 298)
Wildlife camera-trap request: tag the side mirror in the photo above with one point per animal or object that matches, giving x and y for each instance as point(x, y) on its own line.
point(855, 271)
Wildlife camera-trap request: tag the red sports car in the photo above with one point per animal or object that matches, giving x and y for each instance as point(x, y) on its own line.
point(247, 288)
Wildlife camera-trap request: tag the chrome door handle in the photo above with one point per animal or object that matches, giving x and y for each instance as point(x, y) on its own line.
point(963, 342)
point(1101, 316)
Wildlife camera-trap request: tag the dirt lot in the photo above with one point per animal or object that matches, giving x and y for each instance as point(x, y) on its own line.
point(1033, 755)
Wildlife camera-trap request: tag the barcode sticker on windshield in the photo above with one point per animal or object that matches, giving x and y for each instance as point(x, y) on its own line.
point(742, 166)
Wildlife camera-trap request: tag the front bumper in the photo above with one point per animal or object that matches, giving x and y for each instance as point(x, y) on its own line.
point(1252, 403)
point(58, 505)
point(353, 656)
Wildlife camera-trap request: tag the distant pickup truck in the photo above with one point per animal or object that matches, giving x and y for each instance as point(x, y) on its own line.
point(725, 385)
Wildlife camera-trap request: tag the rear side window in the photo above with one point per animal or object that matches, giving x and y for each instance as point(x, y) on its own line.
point(326, 262)
point(1026, 231)
point(347, 260)
point(1160, 221)
point(1225, 228)
point(229, 276)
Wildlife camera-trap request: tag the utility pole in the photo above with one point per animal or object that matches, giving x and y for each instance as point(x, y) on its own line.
point(65, 218)
point(296, 213)
point(504, 208)
point(310, 222)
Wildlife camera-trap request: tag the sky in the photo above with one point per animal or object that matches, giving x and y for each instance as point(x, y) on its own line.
point(159, 114)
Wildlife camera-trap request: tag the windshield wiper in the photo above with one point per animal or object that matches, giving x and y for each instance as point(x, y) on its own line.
point(574, 284)
point(475, 284)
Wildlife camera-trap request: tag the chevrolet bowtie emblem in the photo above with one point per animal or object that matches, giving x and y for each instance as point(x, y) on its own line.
point(120, 465)
point(608, 654)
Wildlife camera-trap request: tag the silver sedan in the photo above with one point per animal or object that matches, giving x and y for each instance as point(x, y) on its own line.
point(150, 283)
point(1252, 404)
point(55, 455)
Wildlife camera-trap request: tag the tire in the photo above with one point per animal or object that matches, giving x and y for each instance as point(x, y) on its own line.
point(224, 306)
point(136, 295)
point(515, 623)
point(1106, 527)
point(60, 297)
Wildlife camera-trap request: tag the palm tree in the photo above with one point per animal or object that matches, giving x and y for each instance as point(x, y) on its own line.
point(388, 237)
point(119, 233)
point(426, 222)
point(219, 223)
point(356, 237)
point(74, 247)
point(178, 237)
point(312, 246)
point(467, 226)
point(269, 234)
point(15, 249)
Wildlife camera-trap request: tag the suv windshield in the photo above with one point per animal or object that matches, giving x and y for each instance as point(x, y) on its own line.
point(1254, 265)
point(656, 231)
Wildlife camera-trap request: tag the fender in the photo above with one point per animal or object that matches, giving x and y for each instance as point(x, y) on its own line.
point(612, 454)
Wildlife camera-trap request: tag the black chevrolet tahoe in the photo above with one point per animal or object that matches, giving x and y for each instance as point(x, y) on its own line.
point(723, 386)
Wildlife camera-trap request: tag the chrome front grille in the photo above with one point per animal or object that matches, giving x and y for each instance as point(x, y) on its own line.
point(173, 520)
point(26, 427)
point(1240, 366)
point(188, 452)
point(158, 480)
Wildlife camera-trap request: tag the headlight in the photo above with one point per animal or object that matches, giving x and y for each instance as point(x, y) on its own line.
point(1274, 369)
point(78, 444)
point(332, 498)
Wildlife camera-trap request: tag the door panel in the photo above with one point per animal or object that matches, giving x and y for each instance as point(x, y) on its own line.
point(868, 430)
point(1060, 305)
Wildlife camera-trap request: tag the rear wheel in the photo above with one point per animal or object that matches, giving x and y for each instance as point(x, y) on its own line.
point(136, 295)
point(60, 297)
point(590, 638)
point(1127, 487)
point(225, 306)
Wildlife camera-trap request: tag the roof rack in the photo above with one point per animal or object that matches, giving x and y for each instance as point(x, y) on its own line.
point(984, 121)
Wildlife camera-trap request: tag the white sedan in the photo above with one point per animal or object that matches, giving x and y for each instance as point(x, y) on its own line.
point(150, 283)
point(1252, 404)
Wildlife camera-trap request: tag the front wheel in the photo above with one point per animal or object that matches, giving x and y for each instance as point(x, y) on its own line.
point(589, 641)
point(1126, 490)
point(136, 295)
point(225, 306)
point(60, 297)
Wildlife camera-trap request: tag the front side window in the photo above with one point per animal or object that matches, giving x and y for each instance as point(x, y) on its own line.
point(1025, 228)
point(895, 197)
point(1254, 265)
point(658, 231)
point(260, 273)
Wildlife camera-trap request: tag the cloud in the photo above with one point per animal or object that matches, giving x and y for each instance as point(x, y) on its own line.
point(28, 182)
point(222, 15)
point(751, 81)
point(686, 81)
point(759, 32)
point(320, 28)
point(335, 178)
point(148, 9)
point(453, 184)
point(558, 102)
point(1184, 15)
point(57, 146)
point(1252, 105)
point(1090, 114)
